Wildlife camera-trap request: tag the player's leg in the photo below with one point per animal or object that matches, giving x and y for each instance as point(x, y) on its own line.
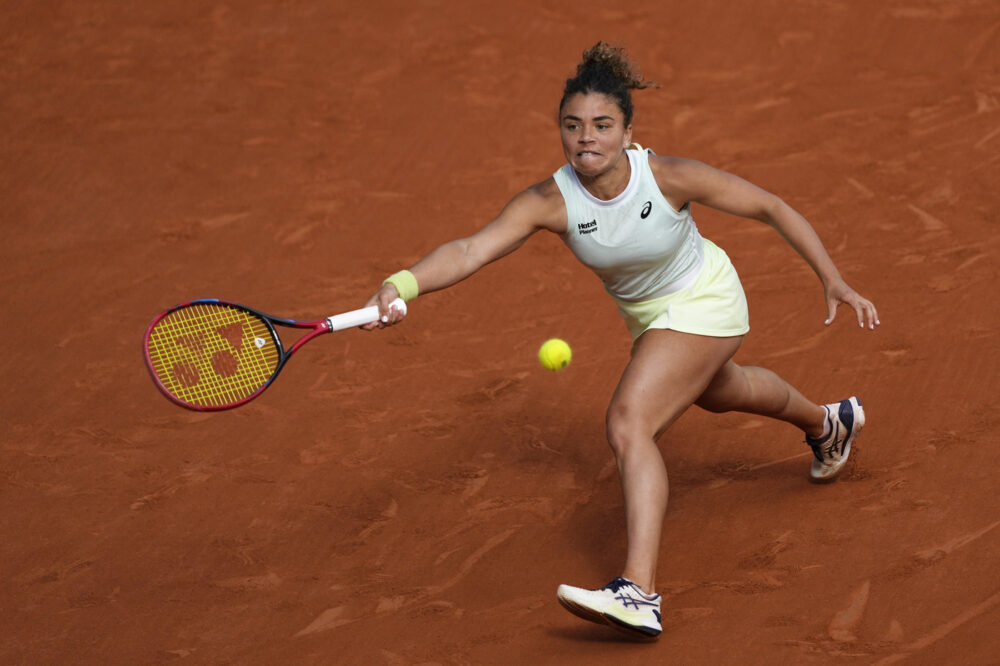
point(667, 372)
point(830, 429)
point(760, 391)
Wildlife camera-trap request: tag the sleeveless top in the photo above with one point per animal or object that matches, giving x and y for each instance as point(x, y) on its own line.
point(638, 245)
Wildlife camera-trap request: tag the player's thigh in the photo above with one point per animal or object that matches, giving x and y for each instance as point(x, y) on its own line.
point(667, 373)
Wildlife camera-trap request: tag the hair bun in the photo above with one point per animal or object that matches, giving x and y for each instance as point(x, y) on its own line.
point(605, 55)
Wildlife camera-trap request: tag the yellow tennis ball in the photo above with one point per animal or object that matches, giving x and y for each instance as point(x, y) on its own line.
point(555, 354)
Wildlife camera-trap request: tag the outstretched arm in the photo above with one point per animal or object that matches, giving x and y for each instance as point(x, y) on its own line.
point(452, 262)
point(685, 180)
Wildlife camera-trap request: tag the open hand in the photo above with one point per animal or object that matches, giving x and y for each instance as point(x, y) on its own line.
point(841, 293)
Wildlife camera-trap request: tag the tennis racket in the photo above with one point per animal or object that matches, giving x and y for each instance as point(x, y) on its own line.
point(209, 354)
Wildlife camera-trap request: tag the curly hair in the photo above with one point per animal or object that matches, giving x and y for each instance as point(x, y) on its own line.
point(606, 69)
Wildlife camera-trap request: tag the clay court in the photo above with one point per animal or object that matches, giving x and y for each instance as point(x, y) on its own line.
point(416, 495)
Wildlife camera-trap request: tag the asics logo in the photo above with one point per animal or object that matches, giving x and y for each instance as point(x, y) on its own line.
point(833, 449)
point(632, 602)
point(646, 209)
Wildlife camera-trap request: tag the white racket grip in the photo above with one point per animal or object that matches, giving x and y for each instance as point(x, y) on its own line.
point(360, 317)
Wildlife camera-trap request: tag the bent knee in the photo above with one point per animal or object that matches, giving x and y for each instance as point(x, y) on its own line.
point(715, 404)
point(623, 428)
point(628, 429)
point(727, 391)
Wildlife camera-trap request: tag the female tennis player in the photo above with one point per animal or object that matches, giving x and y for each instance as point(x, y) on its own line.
point(626, 214)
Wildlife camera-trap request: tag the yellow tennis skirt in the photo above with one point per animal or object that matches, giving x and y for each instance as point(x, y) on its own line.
point(713, 305)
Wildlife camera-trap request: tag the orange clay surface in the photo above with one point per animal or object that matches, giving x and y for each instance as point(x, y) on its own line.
point(416, 495)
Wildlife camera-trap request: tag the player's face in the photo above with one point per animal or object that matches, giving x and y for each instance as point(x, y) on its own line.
point(594, 134)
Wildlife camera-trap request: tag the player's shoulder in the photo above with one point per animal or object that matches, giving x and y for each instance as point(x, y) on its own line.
point(545, 190)
point(670, 167)
point(545, 203)
point(679, 179)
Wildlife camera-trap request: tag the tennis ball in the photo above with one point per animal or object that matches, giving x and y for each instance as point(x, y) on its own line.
point(555, 354)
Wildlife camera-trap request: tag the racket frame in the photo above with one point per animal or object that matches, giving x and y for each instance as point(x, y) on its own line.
point(318, 327)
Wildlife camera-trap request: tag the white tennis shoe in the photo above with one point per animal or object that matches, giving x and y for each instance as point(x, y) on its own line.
point(846, 419)
point(620, 604)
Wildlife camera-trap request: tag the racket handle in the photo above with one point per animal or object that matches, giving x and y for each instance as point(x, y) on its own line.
point(360, 317)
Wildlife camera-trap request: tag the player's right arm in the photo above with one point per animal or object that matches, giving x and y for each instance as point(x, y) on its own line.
point(539, 207)
point(458, 259)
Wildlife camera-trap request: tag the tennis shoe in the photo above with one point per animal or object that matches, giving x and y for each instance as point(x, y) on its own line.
point(620, 604)
point(830, 453)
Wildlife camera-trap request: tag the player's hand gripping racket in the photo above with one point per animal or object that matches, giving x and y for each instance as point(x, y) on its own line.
point(210, 354)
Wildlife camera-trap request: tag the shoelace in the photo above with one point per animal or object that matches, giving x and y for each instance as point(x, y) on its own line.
point(618, 583)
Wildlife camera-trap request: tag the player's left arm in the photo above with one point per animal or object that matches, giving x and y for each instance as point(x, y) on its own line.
point(684, 180)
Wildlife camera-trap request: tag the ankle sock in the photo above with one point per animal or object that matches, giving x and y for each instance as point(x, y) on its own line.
point(648, 597)
point(826, 424)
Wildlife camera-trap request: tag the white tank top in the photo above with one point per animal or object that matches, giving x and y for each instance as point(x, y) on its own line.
point(638, 245)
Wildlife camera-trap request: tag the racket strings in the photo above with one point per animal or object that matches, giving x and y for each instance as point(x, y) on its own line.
point(211, 355)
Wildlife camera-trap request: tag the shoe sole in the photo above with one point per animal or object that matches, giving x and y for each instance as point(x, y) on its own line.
point(859, 423)
point(589, 614)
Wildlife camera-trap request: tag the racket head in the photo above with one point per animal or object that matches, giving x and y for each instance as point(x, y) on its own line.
point(210, 355)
